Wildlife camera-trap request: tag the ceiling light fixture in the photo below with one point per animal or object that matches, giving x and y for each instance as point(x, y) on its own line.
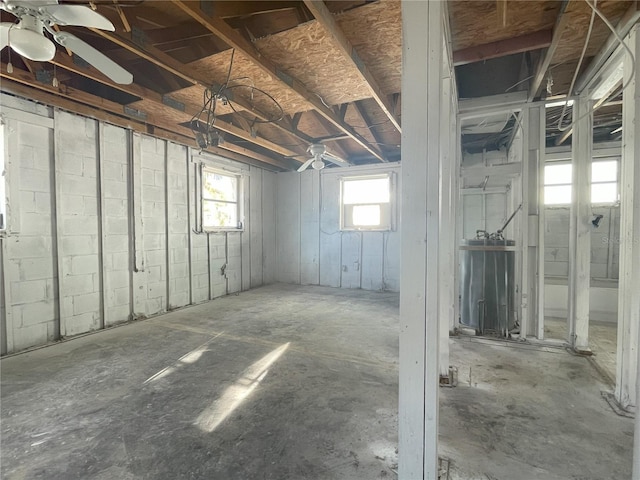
point(27, 39)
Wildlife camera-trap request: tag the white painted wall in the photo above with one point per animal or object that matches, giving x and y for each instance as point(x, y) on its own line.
point(101, 228)
point(311, 248)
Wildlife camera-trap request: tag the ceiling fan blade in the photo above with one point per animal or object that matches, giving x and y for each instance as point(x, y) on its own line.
point(333, 159)
point(100, 61)
point(78, 15)
point(305, 165)
point(4, 34)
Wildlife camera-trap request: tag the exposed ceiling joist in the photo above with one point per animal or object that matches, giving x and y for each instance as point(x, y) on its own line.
point(325, 18)
point(501, 48)
point(364, 116)
point(164, 61)
point(235, 40)
point(562, 21)
point(168, 118)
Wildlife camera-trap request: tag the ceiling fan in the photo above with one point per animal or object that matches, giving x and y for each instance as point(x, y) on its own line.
point(28, 39)
point(319, 153)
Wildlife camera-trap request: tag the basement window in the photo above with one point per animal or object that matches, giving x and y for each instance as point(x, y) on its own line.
point(221, 205)
point(604, 182)
point(366, 203)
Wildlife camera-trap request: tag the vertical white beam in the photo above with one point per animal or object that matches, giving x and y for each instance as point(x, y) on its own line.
point(541, 226)
point(629, 276)
point(580, 226)
point(419, 340)
point(445, 245)
point(523, 228)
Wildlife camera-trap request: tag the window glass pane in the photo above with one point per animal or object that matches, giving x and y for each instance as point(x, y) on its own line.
point(219, 187)
point(604, 193)
point(217, 214)
point(557, 195)
point(557, 174)
point(366, 215)
point(375, 190)
point(605, 171)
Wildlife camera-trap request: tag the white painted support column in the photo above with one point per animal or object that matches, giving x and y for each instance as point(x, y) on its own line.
point(629, 276)
point(629, 279)
point(580, 226)
point(447, 227)
point(419, 326)
point(522, 226)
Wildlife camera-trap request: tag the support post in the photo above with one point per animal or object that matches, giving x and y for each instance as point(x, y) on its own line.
point(629, 275)
point(580, 227)
point(422, 24)
point(445, 245)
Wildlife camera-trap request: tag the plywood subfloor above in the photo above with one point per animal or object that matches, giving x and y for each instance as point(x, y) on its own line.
point(308, 53)
point(478, 22)
point(375, 31)
point(244, 71)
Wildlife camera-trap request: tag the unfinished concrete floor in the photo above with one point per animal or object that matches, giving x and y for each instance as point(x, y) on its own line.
point(290, 382)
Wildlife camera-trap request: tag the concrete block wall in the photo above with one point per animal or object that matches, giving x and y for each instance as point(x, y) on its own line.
point(311, 248)
point(605, 242)
point(103, 227)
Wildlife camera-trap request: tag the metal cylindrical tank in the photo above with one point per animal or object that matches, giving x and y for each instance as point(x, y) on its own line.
point(487, 290)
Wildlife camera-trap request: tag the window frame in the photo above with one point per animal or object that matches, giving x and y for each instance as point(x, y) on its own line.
point(239, 199)
point(388, 212)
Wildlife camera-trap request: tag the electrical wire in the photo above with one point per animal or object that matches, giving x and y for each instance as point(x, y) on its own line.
point(631, 56)
point(575, 74)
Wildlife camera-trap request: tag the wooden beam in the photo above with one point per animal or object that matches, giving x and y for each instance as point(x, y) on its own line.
point(562, 21)
point(501, 48)
point(164, 61)
point(364, 116)
point(163, 116)
point(235, 40)
point(325, 18)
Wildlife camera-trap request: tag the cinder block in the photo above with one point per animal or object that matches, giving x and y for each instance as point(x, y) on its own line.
point(116, 243)
point(115, 207)
point(89, 302)
point(28, 336)
point(153, 306)
point(556, 269)
point(89, 166)
point(153, 241)
point(43, 203)
point(120, 261)
point(121, 296)
point(147, 176)
point(37, 312)
point(179, 270)
point(34, 180)
point(113, 134)
point(35, 224)
point(113, 171)
point(85, 322)
point(159, 178)
point(25, 154)
point(28, 291)
point(118, 225)
point(81, 264)
point(70, 163)
point(179, 255)
point(79, 225)
point(155, 273)
point(154, 225)
point(71, 204)
point(115, 189)
point(78, 185)
point(36, 268)
point(155, 257)
point(90, 206)
point(153, 193)
point(117, 314)
point(29, 246)
point(27, 201)
point(118, 279)
point(42, 156)
point(73, 285)
point(598, 270)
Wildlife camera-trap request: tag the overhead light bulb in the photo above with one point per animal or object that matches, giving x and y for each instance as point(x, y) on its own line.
point(317, 164)
point(28, 40)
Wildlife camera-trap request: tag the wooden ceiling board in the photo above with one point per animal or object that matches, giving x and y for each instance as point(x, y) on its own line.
point(573, 37)
point(310, 125)
point(375, 31)
point(216, 68)
point(309, 54)
point(353, 118)
point(475, 22)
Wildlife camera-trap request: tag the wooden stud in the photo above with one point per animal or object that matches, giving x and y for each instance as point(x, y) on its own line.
point(501, 48)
